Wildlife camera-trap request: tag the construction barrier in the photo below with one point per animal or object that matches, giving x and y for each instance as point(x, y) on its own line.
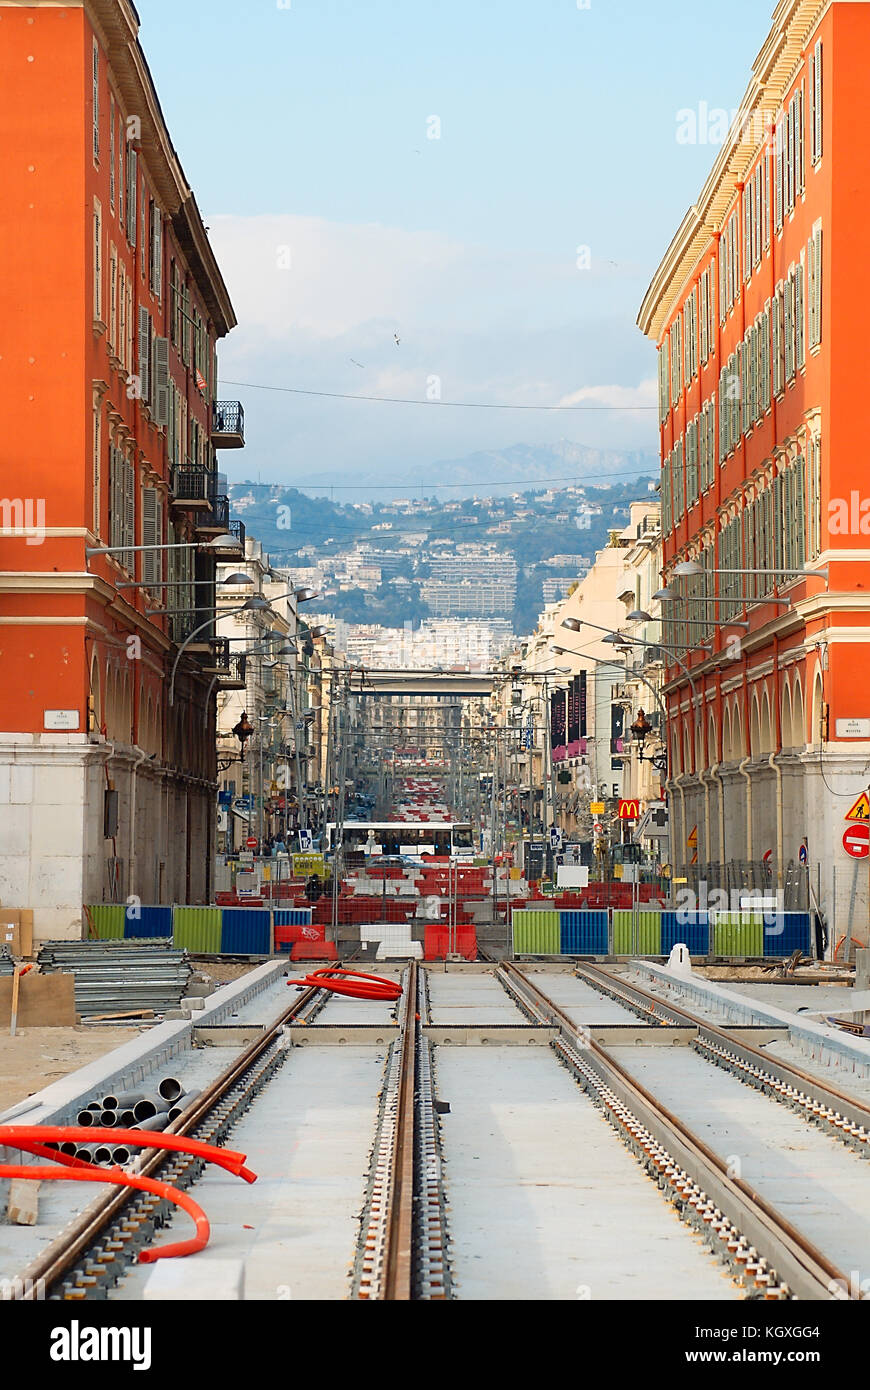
point(648, 931)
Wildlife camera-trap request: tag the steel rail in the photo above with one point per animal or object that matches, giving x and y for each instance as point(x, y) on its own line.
point(845, 1116)
point(398, 1255)
point(737, 1213)
point(48, 1268)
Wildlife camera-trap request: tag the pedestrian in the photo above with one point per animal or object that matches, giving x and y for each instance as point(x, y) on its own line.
point(312, 889)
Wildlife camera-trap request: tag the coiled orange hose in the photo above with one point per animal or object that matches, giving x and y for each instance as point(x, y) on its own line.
point(230, 1159)
point(117, 1178)
point(353, 983)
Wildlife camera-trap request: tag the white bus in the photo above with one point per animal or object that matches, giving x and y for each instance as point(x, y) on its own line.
point(405, 839)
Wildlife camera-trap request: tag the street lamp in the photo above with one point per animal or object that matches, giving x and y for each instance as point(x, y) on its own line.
point(222, 542)
point(693, 567)
point(255, 604)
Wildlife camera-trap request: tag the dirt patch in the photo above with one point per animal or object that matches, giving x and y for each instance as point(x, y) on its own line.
point(36, 1057)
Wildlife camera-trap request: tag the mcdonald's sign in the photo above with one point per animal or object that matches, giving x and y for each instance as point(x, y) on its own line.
point(629, 810)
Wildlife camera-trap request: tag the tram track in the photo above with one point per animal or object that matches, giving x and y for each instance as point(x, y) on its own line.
point(838, 1114)
point(99, 1243)
point(765, 1252)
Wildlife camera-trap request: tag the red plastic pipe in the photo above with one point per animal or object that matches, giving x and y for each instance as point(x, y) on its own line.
point(353, 983)
point(121, 1179)
point(229, 1159)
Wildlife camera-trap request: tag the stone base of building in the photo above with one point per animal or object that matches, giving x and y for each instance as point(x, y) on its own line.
point(735, 812)
point(55, 855)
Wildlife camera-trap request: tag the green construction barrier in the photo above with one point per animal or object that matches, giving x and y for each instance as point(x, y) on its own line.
point(646, 940)
point(108, 920)
point(197, 929)
point(737, 933)
point(537, 932)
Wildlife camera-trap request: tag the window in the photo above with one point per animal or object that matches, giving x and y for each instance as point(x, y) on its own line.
point(97, 466)
point(121, 170)
point(711, 437)
point(98, 262)
point(799, 330)
point(692, 463)
point(816, 104)
point(113, 298)
point(814, 257)
point(790, 171)
point(156, 269)
point(160, 388)
point(144, 239)
point(144, 353)
point(663, 379)
point(112, 153)
point(814, 501)
point(676, 362)
point(778, 343)
point(132, 167)
point(152, 534)
point(666, 495)
point(122, 507)
point(678, 494)
point(96, 90)
point(690, 325)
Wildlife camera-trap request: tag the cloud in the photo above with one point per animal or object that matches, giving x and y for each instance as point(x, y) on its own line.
point(320, 305)
point(624, 397)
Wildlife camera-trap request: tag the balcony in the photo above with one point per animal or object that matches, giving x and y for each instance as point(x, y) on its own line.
point(192, 487)
point(181, 625)
point(228, 425)
point(215, 522)
point(236, 677)
point(236, 551)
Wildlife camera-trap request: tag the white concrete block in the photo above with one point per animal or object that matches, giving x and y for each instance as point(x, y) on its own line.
point(14, 880)
point(57, 831)
point(58, 786)
point(407, 950)
point(5, 784)
point(15, 831)
point(57, 882)
point(21, 785)
point(197, 1277)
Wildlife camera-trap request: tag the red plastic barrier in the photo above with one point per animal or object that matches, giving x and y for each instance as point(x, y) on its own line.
point(314, 950)
point(289, 935)
point(437, 942)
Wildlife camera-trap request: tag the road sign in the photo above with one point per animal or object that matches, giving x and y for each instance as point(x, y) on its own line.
point(555, 837)
point(803, 854)
point(692, 841)
point(306, 841)
point(251, 842)
point(861, 809)
point(629, 810)
point(596, 808)
point(598, 827)
point(856, 840)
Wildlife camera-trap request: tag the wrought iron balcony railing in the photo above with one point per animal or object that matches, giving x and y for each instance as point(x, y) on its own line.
point(192, 486)
point(228, 425)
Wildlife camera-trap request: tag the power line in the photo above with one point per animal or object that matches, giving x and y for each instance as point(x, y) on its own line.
point(532, 484)
point(404, 400)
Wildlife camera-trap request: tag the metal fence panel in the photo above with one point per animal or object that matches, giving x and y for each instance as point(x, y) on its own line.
point(637, 933)
point(584, 933)
point(246, 931)
point(198, 929)
point(536, 932)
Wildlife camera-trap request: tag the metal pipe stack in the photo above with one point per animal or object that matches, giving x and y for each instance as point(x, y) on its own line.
point(120, 976)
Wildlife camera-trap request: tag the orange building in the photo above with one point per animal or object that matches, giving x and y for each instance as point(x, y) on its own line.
point(111, 303)
point(758, 312)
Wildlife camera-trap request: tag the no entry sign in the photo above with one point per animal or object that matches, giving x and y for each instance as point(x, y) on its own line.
point(251, 842)
point(856, 840)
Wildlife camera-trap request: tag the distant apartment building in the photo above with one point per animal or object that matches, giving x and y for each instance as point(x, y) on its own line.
point(471, 581)
point(111, 306)
point(557, 588)
point(758, 313)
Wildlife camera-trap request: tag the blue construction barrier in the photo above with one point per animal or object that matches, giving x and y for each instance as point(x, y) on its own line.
point(246, 931)
point(584, 932)
point(654, 932)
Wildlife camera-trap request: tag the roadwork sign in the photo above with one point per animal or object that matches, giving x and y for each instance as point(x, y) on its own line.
point(692, 841)
point(861, 809)
point(856, 840)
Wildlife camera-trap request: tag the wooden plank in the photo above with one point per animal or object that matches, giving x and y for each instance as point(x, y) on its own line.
point(45, 1001)
point(23, 1206)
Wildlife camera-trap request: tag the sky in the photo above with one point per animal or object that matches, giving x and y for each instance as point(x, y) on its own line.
point(492, 183)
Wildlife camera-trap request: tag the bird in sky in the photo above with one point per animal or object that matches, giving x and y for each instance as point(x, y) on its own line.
point(355, 363)
point(397, 338)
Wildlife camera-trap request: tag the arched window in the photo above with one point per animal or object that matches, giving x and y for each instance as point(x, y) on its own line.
point(755, 730)
point(818, 708)
point(787, 736)
point(798, 717)
point(766, 741)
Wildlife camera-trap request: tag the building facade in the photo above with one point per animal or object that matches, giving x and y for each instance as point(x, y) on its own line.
point(757, 310)
point(111, 305)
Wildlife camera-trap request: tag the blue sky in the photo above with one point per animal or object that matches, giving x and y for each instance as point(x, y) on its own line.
point(340, 224)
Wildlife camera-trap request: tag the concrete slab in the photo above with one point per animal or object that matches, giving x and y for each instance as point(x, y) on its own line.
point(544, 1200)
point(192, 1280)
